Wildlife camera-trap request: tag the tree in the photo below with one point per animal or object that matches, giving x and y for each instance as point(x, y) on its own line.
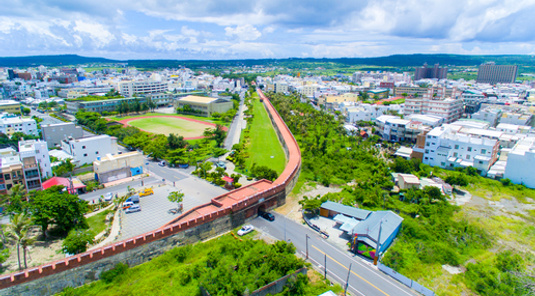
point(217, 134)
point(64, 168)
point(310, 204)
point(77, 241)
point(157, 148)
point(65, 210)
point(18, 229)
point(176, 196)
point(176, 141)
point(17, 200)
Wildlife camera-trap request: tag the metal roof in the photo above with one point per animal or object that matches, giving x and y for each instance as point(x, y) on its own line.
point(370, 226)
point(357, 213)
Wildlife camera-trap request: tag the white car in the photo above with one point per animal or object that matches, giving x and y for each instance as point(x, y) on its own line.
point(108, 196)
point(245, 229)
point(132, 209)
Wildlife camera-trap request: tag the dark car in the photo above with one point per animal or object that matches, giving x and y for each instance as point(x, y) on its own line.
point(266, 215)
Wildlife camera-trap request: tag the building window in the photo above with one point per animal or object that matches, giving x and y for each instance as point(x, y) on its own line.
point(85, 154)
point(426, 151)
point(455, 154)
point(468, 156)
point(483, 151)
point(469, 149)
point(427, 158)
point(9, 186)
point(96, 152)
point(83, 147)
point(443, 164)
point(456, 146)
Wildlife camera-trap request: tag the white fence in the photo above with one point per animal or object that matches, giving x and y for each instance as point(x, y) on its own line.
point(405, 280)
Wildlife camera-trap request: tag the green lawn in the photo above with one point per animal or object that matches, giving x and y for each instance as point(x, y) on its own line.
point(97, 222)
point(264, 148)
point(201, 118)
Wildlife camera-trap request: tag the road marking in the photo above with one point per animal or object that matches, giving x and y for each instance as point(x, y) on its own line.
point(351, 271)
point(341, 281)
point(372, 269)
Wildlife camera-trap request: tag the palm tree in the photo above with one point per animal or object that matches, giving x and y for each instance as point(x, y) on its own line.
point(18, 229)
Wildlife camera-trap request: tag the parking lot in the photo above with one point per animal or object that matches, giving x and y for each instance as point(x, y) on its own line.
point(155, 208)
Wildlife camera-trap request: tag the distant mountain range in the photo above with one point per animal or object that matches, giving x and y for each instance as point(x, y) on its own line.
point(412, 60)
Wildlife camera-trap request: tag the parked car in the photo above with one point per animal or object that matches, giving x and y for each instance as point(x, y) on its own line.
point(146, 191)
point(266, 215)
point(134, 208)
point(221, 164)
point(245, 229)
point(161, 163)
point(127, 204)
point(108, 196)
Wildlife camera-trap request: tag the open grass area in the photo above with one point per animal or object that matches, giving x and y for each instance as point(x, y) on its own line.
point(97, 223)
point(200, 118)
point(166, 126)
point(264, 147)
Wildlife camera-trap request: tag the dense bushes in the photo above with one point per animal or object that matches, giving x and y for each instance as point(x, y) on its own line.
point(263, 172)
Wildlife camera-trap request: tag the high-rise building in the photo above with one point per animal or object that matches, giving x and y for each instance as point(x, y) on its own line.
point(435, 72)
point(492, 73)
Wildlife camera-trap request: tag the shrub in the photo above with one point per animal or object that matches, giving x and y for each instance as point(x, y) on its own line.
point(114, 273)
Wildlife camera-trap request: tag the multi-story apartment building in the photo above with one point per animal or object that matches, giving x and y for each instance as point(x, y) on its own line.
point(53, 134)
point(10, 173)
point(281, 87)
point(448, 108)
point(129, 88)
point(10, 125)
point(36, 149)
point(492, 73)
point(395, 129)
point(414, 91)
point(447, 147)
point(87, 150)
point(520, 167)
point(435, 72)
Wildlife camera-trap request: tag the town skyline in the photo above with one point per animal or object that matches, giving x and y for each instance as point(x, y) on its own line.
point(246, 30)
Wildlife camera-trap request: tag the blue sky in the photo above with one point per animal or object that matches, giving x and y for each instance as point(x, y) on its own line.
point(244, 29)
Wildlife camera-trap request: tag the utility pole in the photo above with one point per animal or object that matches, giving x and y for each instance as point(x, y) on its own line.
point(347, 280)
point(306, 236)
point(378, 243)
point(325, 265)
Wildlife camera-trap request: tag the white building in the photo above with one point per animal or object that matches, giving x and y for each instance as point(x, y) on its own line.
point(129, 88)
point(447, 147)
point(12, 125)
point(441, 102)
point(520, 167)
point(281, 87)
point(39, 150)
point(87, 150)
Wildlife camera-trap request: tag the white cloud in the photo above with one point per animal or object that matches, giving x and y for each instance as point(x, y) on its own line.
point(97, 32)
point(245, 32)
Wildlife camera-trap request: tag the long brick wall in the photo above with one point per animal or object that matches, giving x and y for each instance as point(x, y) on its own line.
point(233, 202)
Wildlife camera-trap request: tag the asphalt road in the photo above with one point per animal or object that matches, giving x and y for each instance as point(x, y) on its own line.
point(364, 279)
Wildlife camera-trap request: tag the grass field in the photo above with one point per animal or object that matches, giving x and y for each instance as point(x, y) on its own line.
point(166, 126)
point(200, 118)
point(264, 148)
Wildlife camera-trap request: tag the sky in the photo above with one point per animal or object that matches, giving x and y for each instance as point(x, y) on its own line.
point(256, 29)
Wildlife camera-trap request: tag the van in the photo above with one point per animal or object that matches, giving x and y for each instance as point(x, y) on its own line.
point(127, 204)
point(134, 198)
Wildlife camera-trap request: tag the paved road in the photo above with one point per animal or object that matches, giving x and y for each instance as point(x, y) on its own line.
point(234, 132)
point(364, 279)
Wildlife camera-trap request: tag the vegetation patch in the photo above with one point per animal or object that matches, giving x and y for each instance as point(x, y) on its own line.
point(223, 266)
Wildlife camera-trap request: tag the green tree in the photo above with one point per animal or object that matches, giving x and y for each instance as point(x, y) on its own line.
point(218, 134)
point(77, 241)
point(64, 168)
point(18, 229)
point(176, 196)
point(157, 148)
point(310, 204)
point(176, 141)
point(52, 205)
